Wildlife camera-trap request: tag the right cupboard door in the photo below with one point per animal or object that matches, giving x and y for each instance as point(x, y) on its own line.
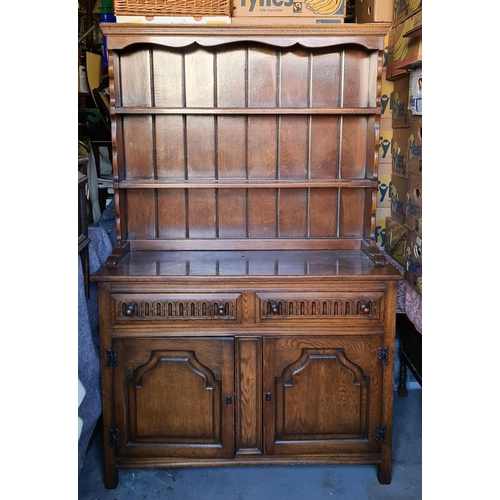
point(322, 395)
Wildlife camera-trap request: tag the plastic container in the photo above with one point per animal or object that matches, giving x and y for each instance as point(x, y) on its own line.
point(107, 16)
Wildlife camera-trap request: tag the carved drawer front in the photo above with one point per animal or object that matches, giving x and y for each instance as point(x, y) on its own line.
point(311, 306)
point(169, 307)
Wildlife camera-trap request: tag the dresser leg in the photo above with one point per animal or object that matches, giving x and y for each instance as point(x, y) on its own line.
point(384, 474)
point(402, 390)
point(110, 477)
point(110, 471)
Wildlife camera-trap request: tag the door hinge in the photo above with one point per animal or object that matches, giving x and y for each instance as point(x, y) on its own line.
point(383, 355)
point(381, 434)
point(113, 437)
point(111, 357)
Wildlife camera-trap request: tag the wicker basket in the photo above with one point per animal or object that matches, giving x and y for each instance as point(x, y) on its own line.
point(172, 7)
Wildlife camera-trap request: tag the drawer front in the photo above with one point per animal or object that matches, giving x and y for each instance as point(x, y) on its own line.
point(323, 306)
point(177, 307)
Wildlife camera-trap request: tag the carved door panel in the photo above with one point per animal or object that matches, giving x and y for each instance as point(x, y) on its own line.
point(174, 397)
point(322, 395)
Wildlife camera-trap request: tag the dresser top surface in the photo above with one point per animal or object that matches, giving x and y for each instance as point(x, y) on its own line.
point(120, 35)
point(293, 264)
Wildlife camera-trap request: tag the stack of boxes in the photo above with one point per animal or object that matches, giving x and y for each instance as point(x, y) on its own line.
point(399, 202)
point(403, 238)
point(385, 150)
point(236, 12)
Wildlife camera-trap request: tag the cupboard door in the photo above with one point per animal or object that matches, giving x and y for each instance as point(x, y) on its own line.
point(322, 395)
point(174, 397)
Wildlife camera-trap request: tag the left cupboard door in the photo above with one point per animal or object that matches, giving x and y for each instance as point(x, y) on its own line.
point(174, 398)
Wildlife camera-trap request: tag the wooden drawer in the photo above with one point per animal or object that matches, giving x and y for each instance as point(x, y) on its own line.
point(177, 307)
point(321, 306)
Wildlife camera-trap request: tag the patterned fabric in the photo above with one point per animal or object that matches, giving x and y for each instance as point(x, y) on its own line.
point(408, 300)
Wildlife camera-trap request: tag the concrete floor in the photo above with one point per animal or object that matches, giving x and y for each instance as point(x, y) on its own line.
point(273, 482)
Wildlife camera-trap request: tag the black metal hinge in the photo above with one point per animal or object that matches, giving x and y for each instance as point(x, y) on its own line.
point(381, 434)
point(111, 357)
point(113, 437)
point(383, 355)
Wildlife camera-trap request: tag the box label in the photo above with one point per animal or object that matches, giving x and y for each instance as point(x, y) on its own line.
point(384, 186)
point(309, 8)
point(385, 142)
point(397, 194)
point(415, 92)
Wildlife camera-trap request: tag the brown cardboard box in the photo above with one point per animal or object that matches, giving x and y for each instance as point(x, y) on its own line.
point(414, 163)
point(399, 151)
point(392, 73)
point(403, 9)
point(386, 53)
point(400, 112)
point(296, 20)
point(413, 217)
point(384, 185)
point(395, 240)
point(397, 193)
point(374, 11)
point(387, 97)
point(380, 226)
point(288, 8)
point(385, 141)
point(404, 51)
point(413, 265)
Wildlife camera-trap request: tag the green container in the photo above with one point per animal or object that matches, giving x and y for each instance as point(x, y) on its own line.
point(106, 7)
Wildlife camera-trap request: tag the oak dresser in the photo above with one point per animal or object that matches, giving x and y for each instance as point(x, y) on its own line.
point(246, 314)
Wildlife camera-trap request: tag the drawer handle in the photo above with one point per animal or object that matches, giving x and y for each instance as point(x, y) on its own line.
point(129, 311)
point(221, 310)
point(274, 308)
point(365, 308)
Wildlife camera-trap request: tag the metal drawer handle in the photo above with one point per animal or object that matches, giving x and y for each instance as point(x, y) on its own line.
point(129, 311)
point(274, 308)
point(365, 308)
point(221, 310)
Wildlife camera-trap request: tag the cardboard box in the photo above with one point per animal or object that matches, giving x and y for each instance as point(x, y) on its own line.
point(399, 151)
point(385, 141)
point(392, 73)
point(414, 163)
point(173, 20)
point(404, 51)
point(413, 264)
point(386, 52)
point(413, 217)
point(401, 95)
point(384, 185)
point(288, 8)
point(286, 20)
point(415, 92)
point(395, 241)
point(374, 11)
point(387, 97)
point(403, 9)
point(380, 226)
point(397, 193)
